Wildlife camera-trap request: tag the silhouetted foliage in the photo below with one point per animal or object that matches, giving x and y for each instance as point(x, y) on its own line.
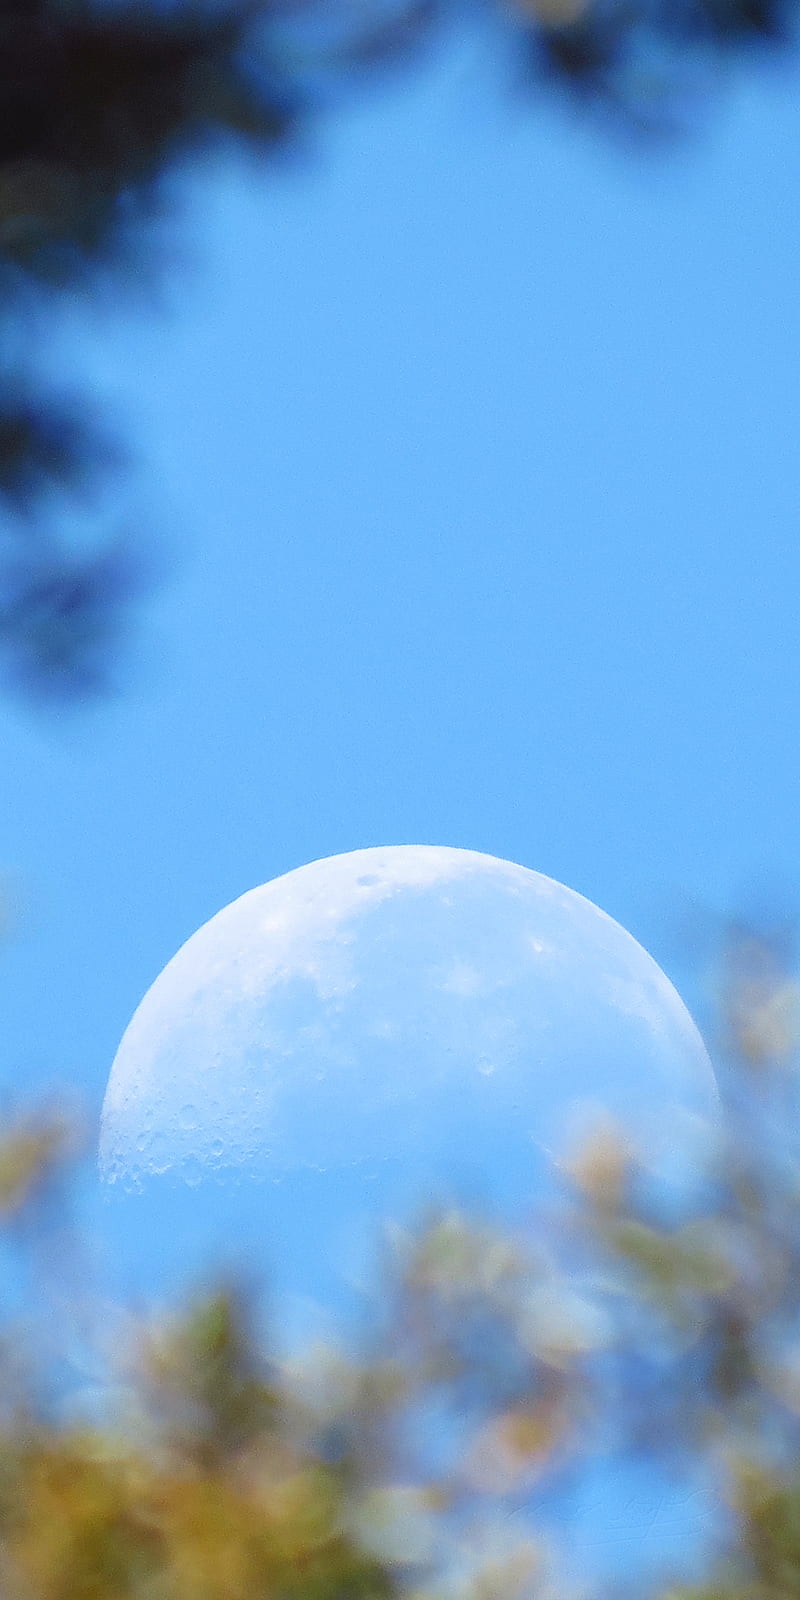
point(101, 101)
point(97, 101)
point(61, 616)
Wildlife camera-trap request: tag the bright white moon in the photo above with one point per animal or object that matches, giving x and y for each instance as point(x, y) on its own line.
point(369, 1033)
point(412, 1018)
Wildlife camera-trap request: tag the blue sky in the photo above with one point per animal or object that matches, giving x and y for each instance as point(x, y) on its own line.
point(474, 442)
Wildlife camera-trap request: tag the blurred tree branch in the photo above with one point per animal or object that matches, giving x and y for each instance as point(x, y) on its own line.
point(499, 1363)
point(103, 101)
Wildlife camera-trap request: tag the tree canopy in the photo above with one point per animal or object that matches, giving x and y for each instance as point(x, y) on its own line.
point(206, 1469)
point(102, 102)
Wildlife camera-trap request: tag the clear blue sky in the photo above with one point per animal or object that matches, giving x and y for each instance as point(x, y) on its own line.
point(475, 441)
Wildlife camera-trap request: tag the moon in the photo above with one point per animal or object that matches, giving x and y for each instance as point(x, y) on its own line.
point(369, 1033)
point(389, 1026)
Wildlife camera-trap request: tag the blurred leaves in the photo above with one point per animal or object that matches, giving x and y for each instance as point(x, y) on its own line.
point(62, 613)
point(498, 1364)
point(206, 1382)
point(97, 101)
point(98, 104)
point(759, 997)
point(47, 440)
point(103, 103)
point(35, 1152)
point(61, 604)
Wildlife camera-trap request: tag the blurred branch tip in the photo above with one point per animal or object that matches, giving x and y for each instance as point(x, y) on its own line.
point(63, 617)
point(759, 995)
point(38, 1148)
point(50, 443)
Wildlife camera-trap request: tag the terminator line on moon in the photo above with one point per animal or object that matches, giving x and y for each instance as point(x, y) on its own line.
point(402, 1020)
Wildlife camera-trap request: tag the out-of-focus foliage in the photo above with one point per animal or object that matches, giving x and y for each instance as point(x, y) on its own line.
point(34, 1152)
point(99, 103)
point(496, 1364)
point(102, 102)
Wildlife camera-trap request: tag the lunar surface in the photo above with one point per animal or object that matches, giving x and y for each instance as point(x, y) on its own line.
point(422, 1015)
point(370, 1033)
